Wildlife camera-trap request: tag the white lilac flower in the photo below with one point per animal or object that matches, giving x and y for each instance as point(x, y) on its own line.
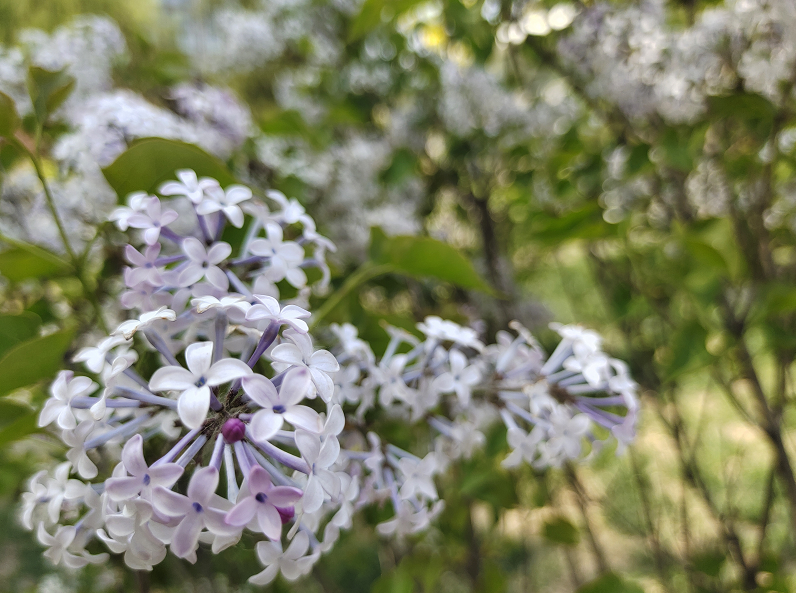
point(300, 354)
point(58, 407)
point(284, 257)
point(268, 308)
point(127, 329)
point(225, 200)
point(319, 457)
point(280, 406)
point(194, 383)
point(189, 186)
point(291, 564)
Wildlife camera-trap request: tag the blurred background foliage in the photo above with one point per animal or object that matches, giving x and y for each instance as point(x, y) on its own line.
point(625, 165)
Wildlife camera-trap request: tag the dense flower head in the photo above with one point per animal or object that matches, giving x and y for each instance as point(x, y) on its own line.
point(216, 371)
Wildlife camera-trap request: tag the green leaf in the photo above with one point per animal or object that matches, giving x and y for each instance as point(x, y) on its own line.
point(610, 583)
point(25, 261)
point(17, 328)
point(425, 257)
point(151, 161)
point(48, 90)
point(9, 118)
point(584, 223)
point(561, 531)
point(373, 12)
point(16, 421)
point(34, 360)
point(396, 581)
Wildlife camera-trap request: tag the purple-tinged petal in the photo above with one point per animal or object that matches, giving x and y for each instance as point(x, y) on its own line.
point(284, 496)
point(120, 489)
point(165, 475)
point(242, 513)
point(304, 417)
point(133, 456)
point(171, 377)
point(227, 370)
point(265, 424)
point(194, 249)
point(199, 357)
point(186, 536)
point(203, 485)
point(261, 390)
point(169, 503)
point(269, 521)
point(295, 386)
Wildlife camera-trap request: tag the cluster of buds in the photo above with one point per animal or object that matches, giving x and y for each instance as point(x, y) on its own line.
point(210, 412)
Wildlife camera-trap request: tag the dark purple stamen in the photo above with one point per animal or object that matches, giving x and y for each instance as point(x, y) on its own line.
point(147, 479)
point(279, 409)
point(197, 507)
point(260, 497)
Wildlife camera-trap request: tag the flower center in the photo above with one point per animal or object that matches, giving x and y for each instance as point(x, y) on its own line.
point(197, 507)
point(233, 430)
point(261, 497)
point(201, 382)
point(279, 409)
point(147, 479)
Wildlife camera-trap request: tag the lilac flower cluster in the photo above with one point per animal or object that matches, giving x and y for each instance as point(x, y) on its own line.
point(241, 396)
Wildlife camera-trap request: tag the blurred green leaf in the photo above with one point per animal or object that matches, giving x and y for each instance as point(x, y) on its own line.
point(16, 421)
point(151, 161)
point(373, 12)
point(610, 583)
point(25, 261)
point(34, 360)
point(17, 328)
point(709, 562)
point(9, 118)
point(425, 257)
point(559, 530)
point(688, 350)
point(395, 581)
point(584, 223)
point(48, 90)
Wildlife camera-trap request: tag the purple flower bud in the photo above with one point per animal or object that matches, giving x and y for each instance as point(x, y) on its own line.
point(233, 430)
point(286, 513)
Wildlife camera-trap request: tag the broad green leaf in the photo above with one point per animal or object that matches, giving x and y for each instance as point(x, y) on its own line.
point(17, 328)
point(9, 119)
point(48, 90)
point(561, 531)
point(25, 261)
point(610, 583)
point(425, 257)
point(151, 161)
point(34, 360)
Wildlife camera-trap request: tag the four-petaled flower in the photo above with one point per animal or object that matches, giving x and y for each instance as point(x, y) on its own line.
point(142, 478)
point(277, 407)
point(259, 499)
point(194, 383)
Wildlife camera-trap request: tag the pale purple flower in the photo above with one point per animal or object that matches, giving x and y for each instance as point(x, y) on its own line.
point(204, 263)
point(277, 407)
point(127, 329)
point(153, 221)
point(136, 203)
point(259, 500)
point(58, 548)
point(193, 510)
point(142, 477)
point(147, 269)
point(194, 384)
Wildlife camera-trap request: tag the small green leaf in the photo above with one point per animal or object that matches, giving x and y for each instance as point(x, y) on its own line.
point(25, 261)
point(425, 257)
point(9, 118)
point(33, 360)
point(17, 328)
point(48, 90)
point(151, 161)
point(610, 583)
point(561, 531)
